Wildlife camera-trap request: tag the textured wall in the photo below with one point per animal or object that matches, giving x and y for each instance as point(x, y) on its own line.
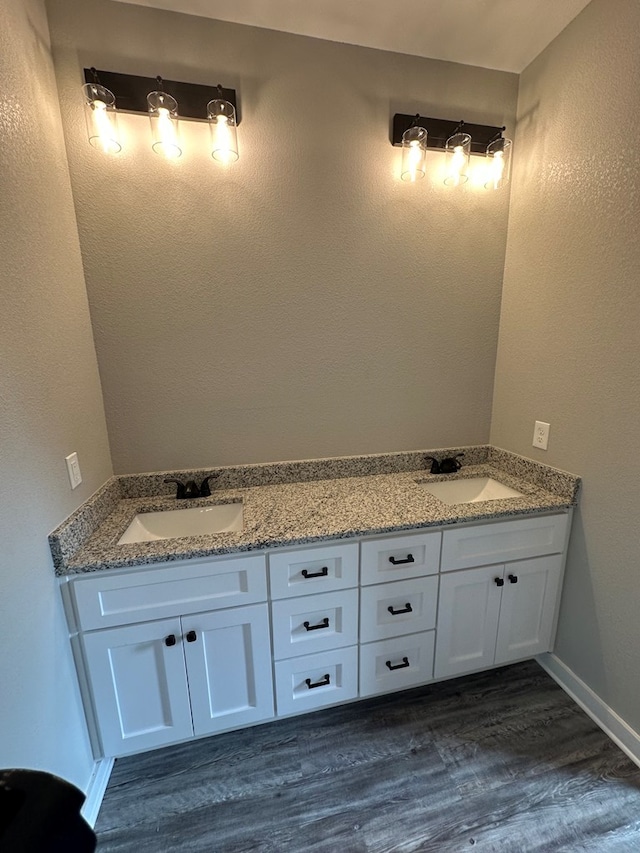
point(569, 349)
point(50, 404)
point(305, 302)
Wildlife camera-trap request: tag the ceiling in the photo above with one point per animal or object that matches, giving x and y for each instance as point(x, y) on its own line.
point(501, 34)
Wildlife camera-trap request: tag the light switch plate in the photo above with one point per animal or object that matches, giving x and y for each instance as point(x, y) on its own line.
point(73, 469)
point(541, 435)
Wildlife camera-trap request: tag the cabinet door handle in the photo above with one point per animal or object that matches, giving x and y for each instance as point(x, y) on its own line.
point(191, 636)
point(322, 683)
point(406, 609)
point(306, 574)
point(513, 578)
point(408, 559)
point(323, 624)
point(405, 663)
point(170, 640)
point(499, 581)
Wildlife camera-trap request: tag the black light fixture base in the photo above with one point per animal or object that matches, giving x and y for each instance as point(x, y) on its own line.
point(439, 130)
point(131, 93)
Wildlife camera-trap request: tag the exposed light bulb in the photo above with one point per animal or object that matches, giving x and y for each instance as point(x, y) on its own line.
point(458, 149)
point(414, 152)
point(100, 113)
point(222, 125)
point(163, 115)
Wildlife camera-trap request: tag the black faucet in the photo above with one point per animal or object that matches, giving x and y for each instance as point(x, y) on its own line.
point(190, 489)
point(446, 466)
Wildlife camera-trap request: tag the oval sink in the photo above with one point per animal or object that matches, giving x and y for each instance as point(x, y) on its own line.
point(470, 490)
point(178, 523)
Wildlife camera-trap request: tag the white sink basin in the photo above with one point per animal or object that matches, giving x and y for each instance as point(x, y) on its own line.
point(177, 523)
point(470, 490)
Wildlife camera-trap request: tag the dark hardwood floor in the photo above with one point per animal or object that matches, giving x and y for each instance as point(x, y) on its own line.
point(502, 761)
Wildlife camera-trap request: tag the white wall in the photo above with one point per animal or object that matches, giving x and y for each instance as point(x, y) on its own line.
point(305, 302)
point(569, 350)
point(50, 404)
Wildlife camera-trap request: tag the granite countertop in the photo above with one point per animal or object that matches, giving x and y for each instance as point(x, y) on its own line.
point(304, 510)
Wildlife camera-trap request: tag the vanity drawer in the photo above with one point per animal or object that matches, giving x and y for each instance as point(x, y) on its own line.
point(397, 663)
point(106, 599)
point(393, 609)
point(504, 540)
point(312, 681)
point(312, 624)
point(399, 557)
point(323, 569)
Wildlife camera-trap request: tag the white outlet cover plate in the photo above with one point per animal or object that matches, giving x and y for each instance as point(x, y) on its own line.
point(541, 435)
point(73, 469)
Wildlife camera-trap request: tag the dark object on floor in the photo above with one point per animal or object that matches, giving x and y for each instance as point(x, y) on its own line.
point(40, 813)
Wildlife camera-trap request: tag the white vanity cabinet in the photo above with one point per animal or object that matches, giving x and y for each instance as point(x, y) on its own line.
point(504, 611)
point(206, 668)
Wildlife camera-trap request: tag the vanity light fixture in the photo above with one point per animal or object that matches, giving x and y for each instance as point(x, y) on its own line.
point(222, 125)
point(458, 140)
point(163, 115)
point(414, 151)
point(100, 114)
point(159, 99)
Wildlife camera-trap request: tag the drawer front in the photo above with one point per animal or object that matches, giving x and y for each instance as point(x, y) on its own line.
point(505, 540)
point(323, 569)
point(399, 557)
point(393, 609)
point(314, 681)
point(396, 664)
point(105, 599)
point(314, 623)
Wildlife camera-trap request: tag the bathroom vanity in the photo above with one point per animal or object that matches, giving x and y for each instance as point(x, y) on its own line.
point(258, 628)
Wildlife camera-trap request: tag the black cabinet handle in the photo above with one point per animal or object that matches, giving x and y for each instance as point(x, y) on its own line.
point(405, 663)
point(324, 571)
point(409, 559)
point(406, 609)
point(513, 578)
point(323, 624)
point(170, 640)
point(499, 581)
point(191, 636)
point(322, 683)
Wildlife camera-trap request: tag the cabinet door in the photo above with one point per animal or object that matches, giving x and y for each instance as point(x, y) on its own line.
point(229, 665)
point(139, 686)
point(468, 612)
point(529, 599)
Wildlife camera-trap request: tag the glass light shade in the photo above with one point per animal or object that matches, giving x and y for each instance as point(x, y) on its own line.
point(457, 154)
point(101, 117)
point(414, 154)
point(222, 126)
point(163, 115)
point(499, 165)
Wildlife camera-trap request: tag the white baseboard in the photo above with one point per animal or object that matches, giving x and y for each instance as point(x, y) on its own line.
point(611, 723)
point(95, 790)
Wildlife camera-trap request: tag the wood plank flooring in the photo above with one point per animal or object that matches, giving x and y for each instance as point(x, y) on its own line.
point(501, 761)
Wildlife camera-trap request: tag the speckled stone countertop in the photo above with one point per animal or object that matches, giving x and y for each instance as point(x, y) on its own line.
point(301, 503)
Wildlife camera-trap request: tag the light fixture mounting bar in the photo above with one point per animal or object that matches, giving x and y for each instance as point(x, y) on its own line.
point(131, 93)
point(439, 130)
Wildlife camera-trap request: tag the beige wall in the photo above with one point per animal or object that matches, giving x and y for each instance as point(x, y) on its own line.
point(305, 302)
point(50, 404)
point(569, 349)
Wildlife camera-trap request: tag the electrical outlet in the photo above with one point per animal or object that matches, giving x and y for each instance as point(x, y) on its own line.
point(73, 469)
point(541, 435)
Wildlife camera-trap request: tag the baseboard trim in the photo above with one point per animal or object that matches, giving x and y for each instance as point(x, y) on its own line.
point(95, 790)
point(611, 723)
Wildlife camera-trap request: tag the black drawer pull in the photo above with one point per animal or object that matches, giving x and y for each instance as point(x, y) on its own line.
point(323, 624)
point(191, 636)
point(324, 571)
point(513, 578)
point(405, 663)
point(406, 609)
point(499, 581)
point(322, 683)
point(170, 640)
point(409, 559)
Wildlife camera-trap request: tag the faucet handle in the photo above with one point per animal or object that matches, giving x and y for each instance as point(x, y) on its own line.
point(435, 465)
point(180, 490)
point(205, 489)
